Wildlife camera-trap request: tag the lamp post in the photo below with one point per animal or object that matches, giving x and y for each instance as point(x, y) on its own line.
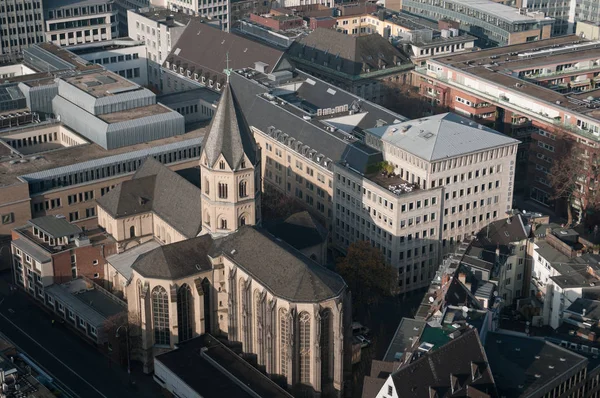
point(127, 342)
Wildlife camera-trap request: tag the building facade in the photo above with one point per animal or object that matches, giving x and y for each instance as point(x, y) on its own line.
point(542, 94)
point(492, 23)
point(80, 22)
point(22, 24)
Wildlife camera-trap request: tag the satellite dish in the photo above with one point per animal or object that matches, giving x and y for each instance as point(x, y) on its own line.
point(431, 299)
point(465, 308)
point(495, 293)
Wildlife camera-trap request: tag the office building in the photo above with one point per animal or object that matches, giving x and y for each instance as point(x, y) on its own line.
point(494, 24)
point(160, 29)
point(420, 38)
point(359, 64)
point(543, 94)
point(125, 57)
point(436, 190)
point(70, 22)
point(21, 24)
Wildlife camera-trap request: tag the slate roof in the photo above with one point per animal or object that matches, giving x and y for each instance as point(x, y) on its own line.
point(523, 366)
point(154, 187)
point(283, 271)
point(436, 370)
point(229, 133)
point(408, 330)
point(262, 114)
point(176, 260)
point(441, 136)
point(208, 56)
point(349, 54)
point(499, 235)
point(300, 230)
point(279, 267)
point(55, 226)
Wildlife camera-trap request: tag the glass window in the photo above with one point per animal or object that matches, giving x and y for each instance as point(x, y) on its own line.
point(160, 316)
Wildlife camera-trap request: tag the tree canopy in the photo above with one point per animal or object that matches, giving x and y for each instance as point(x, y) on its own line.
point(367, 274)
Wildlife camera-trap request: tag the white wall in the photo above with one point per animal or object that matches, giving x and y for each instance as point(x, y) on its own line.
point(127, 58)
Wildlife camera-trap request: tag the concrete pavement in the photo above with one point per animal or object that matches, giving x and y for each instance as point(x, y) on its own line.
point(77, 365)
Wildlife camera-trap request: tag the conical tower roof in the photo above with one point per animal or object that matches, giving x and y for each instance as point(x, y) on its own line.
point(229, 133)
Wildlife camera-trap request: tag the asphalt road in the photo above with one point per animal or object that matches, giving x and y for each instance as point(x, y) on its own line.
point(77, 366)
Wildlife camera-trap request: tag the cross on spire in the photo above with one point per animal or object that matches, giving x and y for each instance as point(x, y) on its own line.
point(227, 71)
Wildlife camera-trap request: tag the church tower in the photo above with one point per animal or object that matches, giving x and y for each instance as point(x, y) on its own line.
point(230, 170)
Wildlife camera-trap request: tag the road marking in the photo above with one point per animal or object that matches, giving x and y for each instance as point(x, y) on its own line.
point(52, 355)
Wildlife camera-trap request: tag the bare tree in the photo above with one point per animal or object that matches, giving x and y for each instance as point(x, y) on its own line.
point(128, 327)
point(574, 179)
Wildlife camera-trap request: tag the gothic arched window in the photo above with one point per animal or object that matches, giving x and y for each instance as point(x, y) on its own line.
point(222, 190)
point(284, 331)
point(160, 316)
point(304, 337)
point(185, 312)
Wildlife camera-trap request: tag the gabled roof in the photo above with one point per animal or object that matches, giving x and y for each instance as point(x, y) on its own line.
point(454, 363)
point(301, 230)
point(441, 136)
point(229, 133)
point(205, 50)
point(346, 53)
point(176, 260)
point(279, 267)
point(154, 187)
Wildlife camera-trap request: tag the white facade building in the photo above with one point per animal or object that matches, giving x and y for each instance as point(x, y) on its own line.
point(127, 58)
point(452, 177)
point(68, 23)
point(21, 24)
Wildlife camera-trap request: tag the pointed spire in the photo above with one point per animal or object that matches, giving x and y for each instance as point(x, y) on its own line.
point(229, 133)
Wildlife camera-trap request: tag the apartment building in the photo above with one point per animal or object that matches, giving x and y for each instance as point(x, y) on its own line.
point(159, 29)
point(21, 24)
point(563, 271)
point(62, 267)
point(543, 94)
point(69, 23)
point(437, 192)
point(494, 24)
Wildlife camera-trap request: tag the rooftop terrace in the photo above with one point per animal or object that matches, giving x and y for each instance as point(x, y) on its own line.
point(396, 185)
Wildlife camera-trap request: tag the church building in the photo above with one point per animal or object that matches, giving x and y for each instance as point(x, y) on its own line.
point(201, 263)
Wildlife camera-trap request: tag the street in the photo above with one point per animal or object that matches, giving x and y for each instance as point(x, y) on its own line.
point(76, 365)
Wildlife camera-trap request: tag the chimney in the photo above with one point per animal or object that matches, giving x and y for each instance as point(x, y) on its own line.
point(583, 312)
point(462, 277)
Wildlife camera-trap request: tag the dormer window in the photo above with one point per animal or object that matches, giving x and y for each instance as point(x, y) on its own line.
point(243, 164)
point(222, 165)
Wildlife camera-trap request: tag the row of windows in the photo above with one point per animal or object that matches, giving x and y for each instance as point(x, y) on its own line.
point(473, 220)
point(89, 212)
point(116, 59)
point(109, 171)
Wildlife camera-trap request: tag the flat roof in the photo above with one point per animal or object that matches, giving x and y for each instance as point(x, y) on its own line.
point(54, 4)
point(160, 15)
point(9, 173)
point(501, 66)
point(102, 83)
point(95, 311)
point(510, 14)
point(135, 113)
point(212, 370)
point(56, 227)
point(122, 262)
